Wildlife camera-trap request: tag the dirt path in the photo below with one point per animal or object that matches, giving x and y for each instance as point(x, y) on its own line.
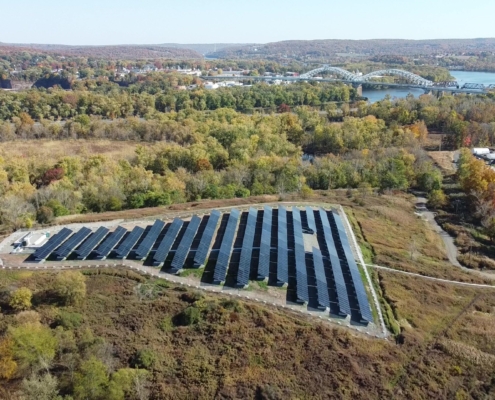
point(450, 247)
point(448, 240)
point(477, 285)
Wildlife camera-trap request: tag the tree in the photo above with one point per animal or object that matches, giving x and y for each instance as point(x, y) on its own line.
point(283, 108)
point(430, 180)
point(33, 345)
point(437, 198)
point(71, 287)
point(40, 387)
point(8, 366)
point(91, 382)
point(44, 215)
point(54, 174)
point(144, 358)
point(128, 383)
point(21, 299)
point(15, 212)
point(365, 189)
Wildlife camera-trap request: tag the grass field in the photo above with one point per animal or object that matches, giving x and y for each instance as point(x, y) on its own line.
point(55, 149)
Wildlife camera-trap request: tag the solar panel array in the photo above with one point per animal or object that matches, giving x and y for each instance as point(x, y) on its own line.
point(185, 244)
point(338, 276)
point(129, 242)
point(206, 239)
point(247, 249)
point(56, 240)
point(321, 280)
point(265, 246)
point(85, 249)
point(226, 247)
point(311, 219)
point(325, 277)
point(70, 244)
point(282, 250)
point(167, 242)
point(362, 297)
point(300, 256)
point(145, 246)
point(105, 247)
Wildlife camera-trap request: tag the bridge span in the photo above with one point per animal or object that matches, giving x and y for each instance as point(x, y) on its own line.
point(411, 80)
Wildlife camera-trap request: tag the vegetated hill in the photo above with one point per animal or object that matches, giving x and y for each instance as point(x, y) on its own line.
point(205, 48)
point(199, 345)
point(331, 48)
point(127, 52)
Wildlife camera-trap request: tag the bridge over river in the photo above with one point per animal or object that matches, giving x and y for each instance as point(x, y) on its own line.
point(407, 80)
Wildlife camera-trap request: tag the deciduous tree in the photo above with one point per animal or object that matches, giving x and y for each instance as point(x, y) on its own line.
point(20, 299)
point(71, 286)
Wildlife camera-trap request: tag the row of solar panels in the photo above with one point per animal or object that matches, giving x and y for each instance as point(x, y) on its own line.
point(332, 264)
point(102, 244)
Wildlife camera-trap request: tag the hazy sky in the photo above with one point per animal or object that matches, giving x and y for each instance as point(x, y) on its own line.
point(229, 21)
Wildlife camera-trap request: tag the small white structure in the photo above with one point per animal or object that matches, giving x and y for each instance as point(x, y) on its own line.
point(479, 151)
point(211, 86)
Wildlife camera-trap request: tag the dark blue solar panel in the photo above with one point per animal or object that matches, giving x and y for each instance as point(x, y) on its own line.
point(129, 242)
point(167, 242)
point(321, 279)
point(85, 249)
point(300, 257)
point(362, 297)
point(185, 244)
point(265, 246)
point(342, 296)
point(310, 216)
point(105, 247)
point(225, 251)
point(68, 247)
point(247, 249)
point(56, 240)
point(205, 243)
point(145, 246)
point(282, 251)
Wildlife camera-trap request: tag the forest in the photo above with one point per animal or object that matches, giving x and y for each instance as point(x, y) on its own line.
point(193, 155)
point(200, 144)
point(148, 97)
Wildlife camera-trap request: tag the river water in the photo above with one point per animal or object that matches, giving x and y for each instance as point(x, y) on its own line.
point(462, 77)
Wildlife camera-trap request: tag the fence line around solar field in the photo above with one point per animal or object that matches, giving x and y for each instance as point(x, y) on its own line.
point(480, 285)
point(363, 264)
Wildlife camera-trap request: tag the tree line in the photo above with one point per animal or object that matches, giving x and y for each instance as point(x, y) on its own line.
point(222, 154)
point(143, 100)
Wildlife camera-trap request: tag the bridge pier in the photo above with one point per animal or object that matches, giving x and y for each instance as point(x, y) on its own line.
point(359, 89)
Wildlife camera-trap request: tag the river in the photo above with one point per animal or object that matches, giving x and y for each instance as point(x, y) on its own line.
point(462, 77)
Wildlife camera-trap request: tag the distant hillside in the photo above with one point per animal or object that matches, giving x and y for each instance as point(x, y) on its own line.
point(331, 48)
point(298, 49)
point(206, 48)
point(127, 52)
